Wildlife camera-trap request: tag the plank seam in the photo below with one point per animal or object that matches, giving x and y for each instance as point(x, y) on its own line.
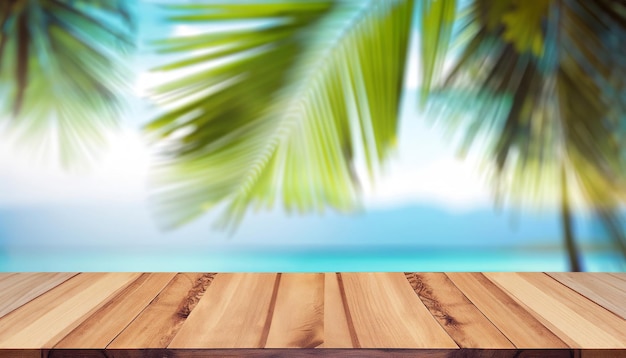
point(140, 312)
point(479, 310)
point(580, 294)
point(39, 295)
point(196, 288)
point(532, 312)
point(521, 306)
point(110, 299)
point(353, 337)
point(270, 313)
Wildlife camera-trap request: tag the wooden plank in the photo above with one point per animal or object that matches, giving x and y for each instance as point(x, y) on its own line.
point(601, 353)
point(157, 325)
point(21, 353)
point(312, 352)
point(456, 314)
point(232, 313)
point(7, 275)
point(298, 319)
point(387, 314)
point(336, 331)
point(17, 289)
point(106, 323)
point(512, 319)
point(612, 280)
point(594, 288)
point(619, 276)
point(575, 319)
point(45, 320)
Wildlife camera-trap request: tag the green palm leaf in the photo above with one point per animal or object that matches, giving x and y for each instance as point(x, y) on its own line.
point(293, 100)
point(543, 101)
point(437, 22)
point(61, 74)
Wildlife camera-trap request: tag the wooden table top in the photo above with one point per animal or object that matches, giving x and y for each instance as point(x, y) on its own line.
point(288, 314)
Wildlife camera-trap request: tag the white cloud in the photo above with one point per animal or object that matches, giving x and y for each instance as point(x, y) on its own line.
point(444, 181)
point(118, 176)
point(426, 169)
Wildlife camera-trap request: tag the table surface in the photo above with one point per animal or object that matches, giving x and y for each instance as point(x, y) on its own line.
point(228, 314)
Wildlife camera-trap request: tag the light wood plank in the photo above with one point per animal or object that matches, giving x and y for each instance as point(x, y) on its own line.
point(612, 280)
point(6, 275)
point(157, 325)
point(573, 318)
point(314, 353)
point(595, 289)
point(45, 320)
point(456, 314)
point(512, 319)
point(619, 276)
point(17, 289)
point(387, 314)
point(231, 314)
point(106, 323)
point(336, 330)
point(298, 319)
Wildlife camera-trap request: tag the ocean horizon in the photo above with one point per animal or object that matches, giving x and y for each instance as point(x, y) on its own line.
point(412, 238)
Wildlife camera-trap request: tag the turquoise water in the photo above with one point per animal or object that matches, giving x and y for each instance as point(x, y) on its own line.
point(124, 238)
point(317, 259)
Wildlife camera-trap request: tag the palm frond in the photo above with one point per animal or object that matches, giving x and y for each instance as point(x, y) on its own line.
point(537, 107)
point(544, 98)
point(291, 103)
point(61, 72)
point(437, 22)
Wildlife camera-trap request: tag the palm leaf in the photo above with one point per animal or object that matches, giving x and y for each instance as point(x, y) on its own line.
point(543, 99)
point(285, 107)
point(62, 76)
point(436, 24)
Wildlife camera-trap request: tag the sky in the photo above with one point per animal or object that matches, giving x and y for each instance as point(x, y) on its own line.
point(426, 197)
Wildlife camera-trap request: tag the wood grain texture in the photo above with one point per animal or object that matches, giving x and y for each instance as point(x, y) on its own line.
point(17, 289)
point(601, 289)
point(575, 319)
point(20, 353)
point(157, 325)
point(511, 318)
point(336, 331)
point(379, 314)
point(613, 280)
point(48, 318)
point(456, 314)
point(302, 353)
point(231, 314)
point(387, 313)
point(298, 319)
point(619, 276)
point(601, 353)
point(106, 323)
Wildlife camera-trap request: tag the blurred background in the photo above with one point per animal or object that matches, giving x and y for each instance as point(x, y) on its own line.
point(308, 136)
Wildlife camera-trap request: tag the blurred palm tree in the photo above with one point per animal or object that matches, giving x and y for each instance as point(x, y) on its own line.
point(288, 99)
point(295, 94)
point(540, 84)
point(62, 77)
